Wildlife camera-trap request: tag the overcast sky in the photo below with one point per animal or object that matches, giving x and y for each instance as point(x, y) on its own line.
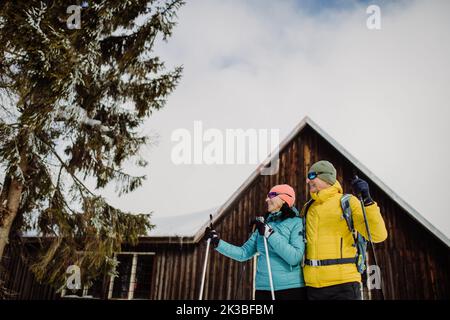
point(382, 94)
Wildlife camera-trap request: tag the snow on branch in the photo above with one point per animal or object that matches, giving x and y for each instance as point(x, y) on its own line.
point(73, 112)
point(34, 17)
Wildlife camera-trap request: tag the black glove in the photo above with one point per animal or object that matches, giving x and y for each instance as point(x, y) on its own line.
point(213, 235)
point(263, 228)
point(361, 187)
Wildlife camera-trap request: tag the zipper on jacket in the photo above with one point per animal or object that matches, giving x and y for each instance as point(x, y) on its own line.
point(341, 247)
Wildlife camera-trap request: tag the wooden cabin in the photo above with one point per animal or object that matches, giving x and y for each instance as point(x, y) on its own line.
point(414, 260)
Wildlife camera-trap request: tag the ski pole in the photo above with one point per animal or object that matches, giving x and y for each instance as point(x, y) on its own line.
point(369, 236)
point(208, 242)
point(268, 268)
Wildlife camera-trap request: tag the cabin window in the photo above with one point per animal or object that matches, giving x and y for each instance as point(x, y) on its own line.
point(134, 276)
point(133, 280)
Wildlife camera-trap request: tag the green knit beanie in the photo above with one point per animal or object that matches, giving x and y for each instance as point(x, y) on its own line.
point(326, 171)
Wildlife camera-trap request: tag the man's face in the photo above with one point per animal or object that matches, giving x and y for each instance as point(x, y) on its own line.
point(315, 185)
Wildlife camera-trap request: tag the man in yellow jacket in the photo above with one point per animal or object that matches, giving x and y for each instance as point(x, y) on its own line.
point(330, 270)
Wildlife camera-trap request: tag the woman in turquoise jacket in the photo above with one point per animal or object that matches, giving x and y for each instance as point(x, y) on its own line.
point(283, 229)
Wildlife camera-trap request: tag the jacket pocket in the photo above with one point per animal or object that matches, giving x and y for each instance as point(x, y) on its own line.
point(341, 247)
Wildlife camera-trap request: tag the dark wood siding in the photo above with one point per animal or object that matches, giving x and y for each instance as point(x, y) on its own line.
point(19, 282)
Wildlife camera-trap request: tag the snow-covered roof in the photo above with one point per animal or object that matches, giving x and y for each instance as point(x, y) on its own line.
point(186, 225)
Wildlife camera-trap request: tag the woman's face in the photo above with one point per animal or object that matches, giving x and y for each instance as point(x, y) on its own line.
point(274, 204)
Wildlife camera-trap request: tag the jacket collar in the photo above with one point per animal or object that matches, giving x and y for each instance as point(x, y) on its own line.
point(324, 194)
point(276, 215)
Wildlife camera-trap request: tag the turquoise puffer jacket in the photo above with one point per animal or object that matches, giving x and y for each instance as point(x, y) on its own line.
point(286, 249)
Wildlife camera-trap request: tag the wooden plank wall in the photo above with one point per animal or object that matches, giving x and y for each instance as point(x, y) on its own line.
point(19, 281)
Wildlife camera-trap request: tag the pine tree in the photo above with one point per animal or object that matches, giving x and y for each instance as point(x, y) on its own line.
point(72, 103)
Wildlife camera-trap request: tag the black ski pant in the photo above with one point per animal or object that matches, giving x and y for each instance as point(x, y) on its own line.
point(345, 291)
point(288, 294)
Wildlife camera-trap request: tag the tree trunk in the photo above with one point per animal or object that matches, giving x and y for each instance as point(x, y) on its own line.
point(11, 194)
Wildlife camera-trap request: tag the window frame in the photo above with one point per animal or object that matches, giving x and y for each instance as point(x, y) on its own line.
point(132, 280)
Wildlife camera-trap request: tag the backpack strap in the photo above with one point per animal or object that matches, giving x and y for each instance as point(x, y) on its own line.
point(303, 213)
point(329, 262)
point(359, 241)
point(347, 216)
point(347, 212)
point(305, 208)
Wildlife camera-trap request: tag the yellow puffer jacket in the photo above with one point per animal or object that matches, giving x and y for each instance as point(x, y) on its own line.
point(328, 236)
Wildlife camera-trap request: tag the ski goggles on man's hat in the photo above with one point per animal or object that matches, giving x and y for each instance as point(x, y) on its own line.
point(271, 195)
point(313, 174)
